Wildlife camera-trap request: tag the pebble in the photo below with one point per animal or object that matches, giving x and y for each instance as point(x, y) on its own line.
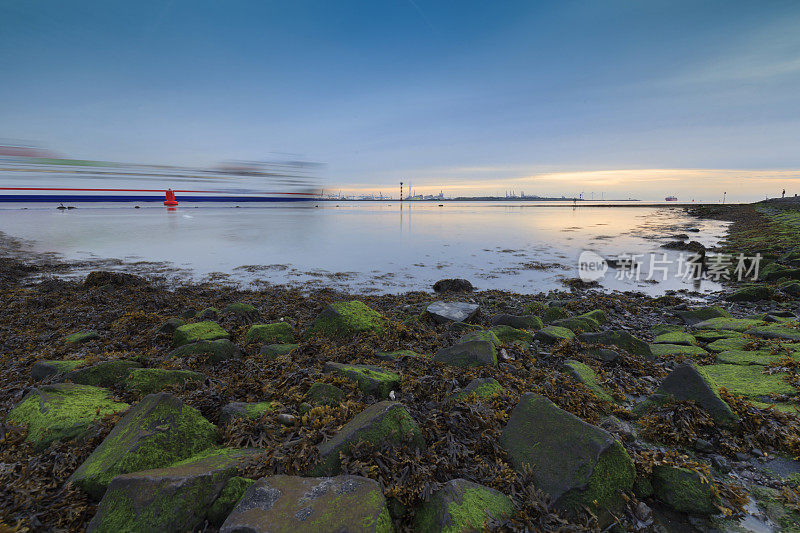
point(286, 419)
point(643, 512)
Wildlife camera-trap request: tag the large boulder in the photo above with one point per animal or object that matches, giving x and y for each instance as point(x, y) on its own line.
point(277, 332)
point(62, 411)
point(517, 321)
point(749, 380)
point(103, 374)
point(444, 312)
point(554, 334)
point(695, 316)
point(156, 432)
point(690, 382)
point(510, 335)
point(378, 423)
point(577, 463)
point(620, 339)
point(198, 331)
point(175, 498)
point(577, 324)
point(46, 368)
point(473, 349)
point(148, 380)
point(685, 490)
point(371, 379)
point(350, 504)
point(347, 319)
point(210, 351)
point(453, 285)
point(231, 493)
point(776, 332)
point(462, 506)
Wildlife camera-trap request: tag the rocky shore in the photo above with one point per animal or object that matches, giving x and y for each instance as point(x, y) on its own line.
point(131, 405)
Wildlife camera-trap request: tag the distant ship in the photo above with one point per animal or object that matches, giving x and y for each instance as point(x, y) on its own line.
point(671, 198)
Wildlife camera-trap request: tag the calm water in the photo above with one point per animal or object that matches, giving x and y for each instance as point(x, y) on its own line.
point(366, 246)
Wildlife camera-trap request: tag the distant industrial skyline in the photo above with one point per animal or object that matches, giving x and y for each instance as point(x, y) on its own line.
point(641, 99)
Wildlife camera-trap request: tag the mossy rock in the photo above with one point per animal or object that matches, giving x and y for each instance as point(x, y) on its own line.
point(554, 313)
point(518, 321)
point(347, 319)
point(240, 308)
point(769, 502)
point(554, 334)
point(619, 339)
point(175, 498)
point(271, 351)
point(731, 343)
point(479, 388)
point(81, 337)
point(535, 308)
point(695, 316)
point(300, 504)
point(171, 325)
point(752, 293)
point(691, 382)
point(198, 331)
point(676, 337)
point(684, 490)
point(469, 353)
point(482, 335)
point(209, 313)
point(371, 379)
point(662, 350)
point(50, 367)
point(62, 411)
point(661, 329)
point(461, 506)
point(734, 324)
point(231, 493)
point(776, 332)
point(378, 423)
point(584, 373)
point(156, 432)
point(103, 374)
point(711, 335)
point(324, 394)
point(396, 354)
point(741, 357)
point(210, 351)
point(577, 324)
point(598, 315)
point(149, 380)
point(748, 380)
point(578, 464)
point(275, 333)
point(245, 410)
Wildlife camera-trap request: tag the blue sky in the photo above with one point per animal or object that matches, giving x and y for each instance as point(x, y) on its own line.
point(641, 97)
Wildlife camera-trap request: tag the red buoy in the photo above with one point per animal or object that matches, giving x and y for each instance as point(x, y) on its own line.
point(171, 201)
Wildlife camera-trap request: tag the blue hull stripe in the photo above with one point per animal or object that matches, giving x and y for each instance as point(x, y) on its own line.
point(132, 198)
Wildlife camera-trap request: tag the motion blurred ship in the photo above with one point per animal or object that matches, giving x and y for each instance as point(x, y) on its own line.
point(28, 175)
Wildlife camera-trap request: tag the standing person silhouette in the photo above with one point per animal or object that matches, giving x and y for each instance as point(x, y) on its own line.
point(783, 195)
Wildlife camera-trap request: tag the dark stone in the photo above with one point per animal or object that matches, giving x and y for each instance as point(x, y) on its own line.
point(99, 278)
point(689, 382)
point(371, 379)
point(453, 285)
point(210, 351)
point(441, 512)
point(443, 312)
point(517, 321)
point(171, 325)
point(619, 339)
point(103, 374)
point(468, 353)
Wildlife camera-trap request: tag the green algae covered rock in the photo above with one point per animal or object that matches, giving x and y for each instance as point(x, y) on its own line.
point(231, 493)
point(171, 325)
point(734, 324)
point(396, 354)
point(209, 313)
point(81, 337)
point(695, 316)
point(741, 357)
point(517, 321)
point(482, 335)
point(62, 411)
point(244, 410)
point(598, 315)
point(275, 333)
point(156, 432)
point(576, 463)
point(731, 343)
point(378, 423)
point(554, 313)
point(748, 380)
point(554, 334)
point(240, 308)
point(584, 373)
point(661, 350)
point(175, 498)
point(371, 379)
point(352, 504)
point(210, 351)
point(577, 324)
point(47, 368)
point(776, 332)
point(752, 293)
point(711, 335)
point(676, 337)
point(469, 353)
point(198, 331)
point(347, 319)
point(619, 339)
point(271, 351)
point(509, 335)
point(684, 490)
point(103, 374)
point(480, 388)
point(148, 380)
point(324, 394)
point(691, 382)
point(461, 506)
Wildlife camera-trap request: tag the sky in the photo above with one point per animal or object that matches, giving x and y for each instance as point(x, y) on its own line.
point(619, 98)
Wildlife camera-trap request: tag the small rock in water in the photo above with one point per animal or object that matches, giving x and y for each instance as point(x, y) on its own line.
point(453, 285)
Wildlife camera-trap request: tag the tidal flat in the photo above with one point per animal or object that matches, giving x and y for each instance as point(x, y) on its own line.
point(134, 402)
